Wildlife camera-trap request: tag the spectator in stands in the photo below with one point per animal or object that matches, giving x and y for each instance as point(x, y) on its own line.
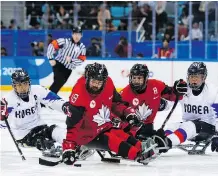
point(145, 12)
point(33, 12)
point(2, 25)
point(47, 21)
point(196, 32)
point(13, 25)
point(95, 48)
point(103, 14)
point(63, 18)
point(91, 22)
point(165, 51)
point(123, 47)
point(37, 48)
point(123, 25)
point(161, 15)
point(3, 51)
point(185, 17)
point(109, 26)
point(169, 32)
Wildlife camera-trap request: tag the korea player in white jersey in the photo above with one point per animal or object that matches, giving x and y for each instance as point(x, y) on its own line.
point(199, 107)
point(21, 107)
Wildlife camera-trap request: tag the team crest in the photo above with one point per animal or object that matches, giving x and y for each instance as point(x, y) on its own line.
point(92, 104)
point(143, 111)
point(135, 101)
point(103, 116)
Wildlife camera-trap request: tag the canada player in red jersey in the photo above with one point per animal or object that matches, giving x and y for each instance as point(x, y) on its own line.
point(145, 96)
point(89, 119)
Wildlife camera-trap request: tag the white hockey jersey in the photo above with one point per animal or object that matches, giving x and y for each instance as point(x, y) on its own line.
point(23, 116)
point(203, 107)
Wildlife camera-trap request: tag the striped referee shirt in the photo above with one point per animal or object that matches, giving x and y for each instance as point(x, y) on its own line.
point(61, 48)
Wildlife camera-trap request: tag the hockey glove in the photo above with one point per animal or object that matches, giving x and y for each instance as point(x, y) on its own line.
point(4, 109)
point(131, 116)
point(66, 109)
point(214, 144)
point(180, 87)
point(162, 141)
point(69, 152)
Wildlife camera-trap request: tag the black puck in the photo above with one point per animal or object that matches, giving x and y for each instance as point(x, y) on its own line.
point(78, 165)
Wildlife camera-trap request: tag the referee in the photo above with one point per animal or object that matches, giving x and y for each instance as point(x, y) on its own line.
point(64, 55)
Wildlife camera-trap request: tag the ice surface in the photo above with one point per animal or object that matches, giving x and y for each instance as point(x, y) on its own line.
point(174, 163)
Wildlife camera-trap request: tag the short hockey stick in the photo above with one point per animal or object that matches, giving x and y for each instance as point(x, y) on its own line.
point(15, 142)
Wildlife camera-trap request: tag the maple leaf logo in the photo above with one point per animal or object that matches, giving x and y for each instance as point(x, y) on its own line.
point(103, 116)
point(143, 111)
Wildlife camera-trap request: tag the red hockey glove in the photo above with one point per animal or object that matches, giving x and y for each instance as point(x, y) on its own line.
point(4, 109)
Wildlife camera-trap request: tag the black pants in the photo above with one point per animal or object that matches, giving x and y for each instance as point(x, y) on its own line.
point(61, 75)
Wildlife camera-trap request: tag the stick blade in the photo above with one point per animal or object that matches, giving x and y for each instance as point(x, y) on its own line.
point(48, 163)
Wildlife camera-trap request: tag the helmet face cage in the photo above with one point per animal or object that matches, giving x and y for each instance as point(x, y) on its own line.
point(197, 68)
point(97, 72)
point(20, 76)
point(138, 70)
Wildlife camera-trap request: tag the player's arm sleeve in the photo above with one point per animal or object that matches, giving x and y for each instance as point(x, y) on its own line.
point(10, 105)
point(54, 46)
point(77, 115)
point(118, 105)
point(50, 99)
point(81, 58)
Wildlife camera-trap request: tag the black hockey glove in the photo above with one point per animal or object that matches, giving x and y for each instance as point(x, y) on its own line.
point(131, 117)
point(69, 152)
point(69, 157)
point(180, 87)
point(214, 144)
point(162, 141)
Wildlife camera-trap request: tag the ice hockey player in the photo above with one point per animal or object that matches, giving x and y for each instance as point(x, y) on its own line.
point(145, 96)
point(199, 109)
point(95, 100)
point(21, 107)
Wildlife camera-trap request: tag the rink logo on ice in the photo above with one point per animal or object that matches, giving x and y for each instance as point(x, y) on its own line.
point(25, 112)
point(196, 109)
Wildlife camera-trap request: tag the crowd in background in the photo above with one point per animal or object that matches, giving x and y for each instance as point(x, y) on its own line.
point(116, 16)
point(112, 16)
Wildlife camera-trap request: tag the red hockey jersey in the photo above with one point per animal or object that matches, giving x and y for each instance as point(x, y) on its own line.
point(147, 103)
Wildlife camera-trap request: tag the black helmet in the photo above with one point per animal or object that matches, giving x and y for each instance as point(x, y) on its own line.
point(98, 72)
point(87, 69)
point(20, 76)
point(138, 70)
point(77, 30)
point(197, 68)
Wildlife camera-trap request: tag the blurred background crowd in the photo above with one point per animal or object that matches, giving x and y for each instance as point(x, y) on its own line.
point(160, 25)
